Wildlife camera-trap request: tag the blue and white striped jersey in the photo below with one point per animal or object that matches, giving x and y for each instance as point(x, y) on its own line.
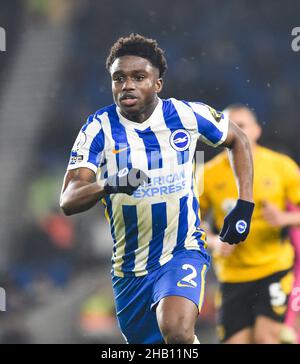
point(163, 217)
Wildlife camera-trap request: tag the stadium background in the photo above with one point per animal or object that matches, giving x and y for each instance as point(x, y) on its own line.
point(55, 270)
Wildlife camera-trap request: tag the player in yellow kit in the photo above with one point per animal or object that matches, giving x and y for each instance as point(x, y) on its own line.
point(255, 276)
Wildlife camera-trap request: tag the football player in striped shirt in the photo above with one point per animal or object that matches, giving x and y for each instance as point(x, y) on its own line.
point(136, 156)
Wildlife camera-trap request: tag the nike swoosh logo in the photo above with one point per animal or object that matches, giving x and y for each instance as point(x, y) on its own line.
point(179, 284)
point(117, 151)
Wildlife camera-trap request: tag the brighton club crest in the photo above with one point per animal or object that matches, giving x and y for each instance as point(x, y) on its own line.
point(180, 140)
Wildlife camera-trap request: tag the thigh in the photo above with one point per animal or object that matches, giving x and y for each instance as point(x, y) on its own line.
point(270, 306)
point(178, 295)
point(244, 336)
point(235, 319)
point(271, 295)
point(183, 276)
point(267, 330)
point(133, 298)
point(176, 318)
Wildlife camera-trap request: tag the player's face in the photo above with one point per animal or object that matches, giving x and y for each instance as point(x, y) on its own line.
point(246, 121)
point(135, 84)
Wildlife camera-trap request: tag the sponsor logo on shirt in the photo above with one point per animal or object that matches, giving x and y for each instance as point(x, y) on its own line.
point(117, 151)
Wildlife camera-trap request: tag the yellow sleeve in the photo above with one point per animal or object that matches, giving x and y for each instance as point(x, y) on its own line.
point(291, 176)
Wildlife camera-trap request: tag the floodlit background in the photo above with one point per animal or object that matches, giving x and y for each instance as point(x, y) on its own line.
point(56, 270)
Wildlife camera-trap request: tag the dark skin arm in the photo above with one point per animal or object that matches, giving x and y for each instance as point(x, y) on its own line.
point(80, 191)
point(241, 160)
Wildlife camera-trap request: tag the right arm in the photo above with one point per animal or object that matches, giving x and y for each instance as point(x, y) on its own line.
point(80, 191)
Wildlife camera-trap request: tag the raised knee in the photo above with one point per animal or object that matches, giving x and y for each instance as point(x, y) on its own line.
point(177, 333)
point(265, 338)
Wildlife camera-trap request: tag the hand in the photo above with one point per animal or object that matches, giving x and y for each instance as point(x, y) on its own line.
point(273, 215)
point(126, 181)
point(224, 249)
point(219, 248)
point(237, 223)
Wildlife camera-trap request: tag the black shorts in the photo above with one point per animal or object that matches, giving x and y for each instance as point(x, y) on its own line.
point(241, 303)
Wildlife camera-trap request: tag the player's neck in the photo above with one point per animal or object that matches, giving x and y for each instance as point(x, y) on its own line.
point(142, 115)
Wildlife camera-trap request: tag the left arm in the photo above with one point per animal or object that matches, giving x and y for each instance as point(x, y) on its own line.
point(241, 160)
point(278, 218)
point(215, 129)
point(237, 223)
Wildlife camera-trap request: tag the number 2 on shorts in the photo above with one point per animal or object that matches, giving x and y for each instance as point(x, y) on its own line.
point(190, 277)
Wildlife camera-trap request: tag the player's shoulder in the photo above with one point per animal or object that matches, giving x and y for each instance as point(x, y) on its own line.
point(169, 104)
point(198, 107)
point(104, 110)
point(172, 105)
point(96, 117)
point(274, 156)
point(190, 103)
point(172, 101)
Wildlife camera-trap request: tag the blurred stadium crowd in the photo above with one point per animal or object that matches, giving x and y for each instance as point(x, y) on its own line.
point(56, 270)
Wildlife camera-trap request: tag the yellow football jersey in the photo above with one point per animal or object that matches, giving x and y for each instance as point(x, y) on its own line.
point(277, 180)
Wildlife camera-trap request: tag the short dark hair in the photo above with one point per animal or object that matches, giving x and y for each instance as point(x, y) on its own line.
point(238, 106)
point(138, 45)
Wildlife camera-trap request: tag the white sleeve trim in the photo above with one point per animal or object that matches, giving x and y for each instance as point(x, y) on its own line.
point(83, 165)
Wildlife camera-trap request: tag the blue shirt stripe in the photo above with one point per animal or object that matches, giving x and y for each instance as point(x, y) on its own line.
point(96, 148)
point(197, 234)
point(182, 223)
point(123, 158)
point(196, 209)
point(152, 148)
point(97, 144)
point(159, 224)
point(112, 224)
point(131, 237)
point(173, 123)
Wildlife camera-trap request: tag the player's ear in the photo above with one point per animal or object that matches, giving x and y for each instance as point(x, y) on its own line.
point(159, 85)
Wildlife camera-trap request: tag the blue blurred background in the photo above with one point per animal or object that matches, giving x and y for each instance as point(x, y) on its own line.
point(56, 270)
